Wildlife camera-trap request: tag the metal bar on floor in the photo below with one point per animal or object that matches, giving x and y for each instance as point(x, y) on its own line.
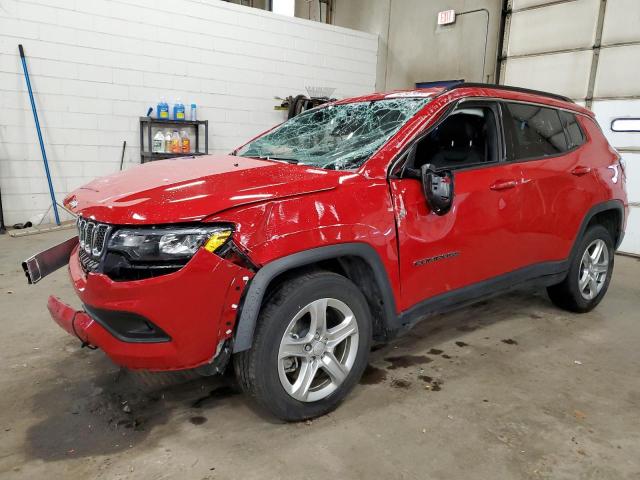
point(2, 227)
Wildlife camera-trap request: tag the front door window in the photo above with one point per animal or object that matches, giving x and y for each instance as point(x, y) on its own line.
point(465, 138)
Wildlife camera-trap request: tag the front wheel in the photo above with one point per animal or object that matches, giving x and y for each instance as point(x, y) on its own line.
point(310, 347)
point(589, 273)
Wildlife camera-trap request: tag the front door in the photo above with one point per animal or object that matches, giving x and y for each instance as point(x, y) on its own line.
point(478, 238)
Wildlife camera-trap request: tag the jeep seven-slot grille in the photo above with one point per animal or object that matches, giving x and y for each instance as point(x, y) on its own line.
point(93, 238)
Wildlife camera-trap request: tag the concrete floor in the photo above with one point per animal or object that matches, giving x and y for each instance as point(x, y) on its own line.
point(510, 388)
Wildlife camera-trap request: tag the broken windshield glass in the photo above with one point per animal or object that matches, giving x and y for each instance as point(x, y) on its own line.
point(337, 136)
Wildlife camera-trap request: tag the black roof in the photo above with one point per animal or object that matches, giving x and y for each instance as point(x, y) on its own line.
point(509, 88)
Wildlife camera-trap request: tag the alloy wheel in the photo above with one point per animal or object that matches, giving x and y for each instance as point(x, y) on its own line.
point(594, 267)
point(318, 350)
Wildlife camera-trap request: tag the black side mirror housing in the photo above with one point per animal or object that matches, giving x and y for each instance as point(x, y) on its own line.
point(438, 188)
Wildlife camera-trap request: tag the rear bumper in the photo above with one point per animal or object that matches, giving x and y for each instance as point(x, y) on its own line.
point(195, 307)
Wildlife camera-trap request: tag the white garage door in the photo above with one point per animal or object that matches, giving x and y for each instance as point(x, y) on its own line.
point(588, 50)
point(620, 121)
point(617, 96)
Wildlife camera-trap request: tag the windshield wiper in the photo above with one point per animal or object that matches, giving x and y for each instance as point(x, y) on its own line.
point(277, 159)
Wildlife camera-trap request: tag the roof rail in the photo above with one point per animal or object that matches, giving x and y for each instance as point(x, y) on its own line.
point(509, 88)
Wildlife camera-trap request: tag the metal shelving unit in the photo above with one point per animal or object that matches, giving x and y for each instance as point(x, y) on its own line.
point(148, 125)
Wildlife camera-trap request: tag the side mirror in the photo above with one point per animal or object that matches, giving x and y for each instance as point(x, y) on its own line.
point(438, 188)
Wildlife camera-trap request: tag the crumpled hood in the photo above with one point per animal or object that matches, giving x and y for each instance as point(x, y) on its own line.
point(190, 189)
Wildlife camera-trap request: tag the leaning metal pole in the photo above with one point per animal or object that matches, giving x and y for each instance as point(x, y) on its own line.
point(54, 204)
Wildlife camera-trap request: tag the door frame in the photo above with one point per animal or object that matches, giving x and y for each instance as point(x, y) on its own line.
point(397, 166)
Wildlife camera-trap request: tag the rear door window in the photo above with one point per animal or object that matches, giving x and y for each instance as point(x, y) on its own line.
point(575, 136)
point(535, 131)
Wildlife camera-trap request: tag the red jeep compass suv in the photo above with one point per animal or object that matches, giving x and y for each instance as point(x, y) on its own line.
point(343, 225)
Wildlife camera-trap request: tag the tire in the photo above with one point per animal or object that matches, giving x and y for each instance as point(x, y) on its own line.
point(583, 297)
point(270, 377)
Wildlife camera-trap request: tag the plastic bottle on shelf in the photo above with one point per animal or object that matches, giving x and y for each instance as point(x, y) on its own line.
point(178, 110)
point(175, 142)
point(185, 142)
point(194, 113)
point(167, 141)
point(158, 142)
point(163, 109)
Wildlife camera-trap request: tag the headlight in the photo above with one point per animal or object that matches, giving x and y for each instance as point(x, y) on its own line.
point(151, 244)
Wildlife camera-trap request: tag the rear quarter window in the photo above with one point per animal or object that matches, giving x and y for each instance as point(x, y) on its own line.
point(536, 131)
point(575, 135)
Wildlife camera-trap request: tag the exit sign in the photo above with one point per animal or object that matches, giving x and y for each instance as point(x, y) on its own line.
point(446, 17)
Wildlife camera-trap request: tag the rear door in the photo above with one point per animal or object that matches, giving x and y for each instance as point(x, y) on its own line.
point(556, 186)
point(477, 239)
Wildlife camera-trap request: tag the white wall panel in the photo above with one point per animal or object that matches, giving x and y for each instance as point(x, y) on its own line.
point(607, 110)
point(618, 71)
point(520, 4)
point(622, 22)
point(562, 26)
point(631, 242)
point(632, 162)
point(96, 66)
point(628, 144)
point(563, 73)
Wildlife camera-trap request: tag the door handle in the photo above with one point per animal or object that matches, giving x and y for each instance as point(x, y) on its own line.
point(579, 171)
point(504, 185)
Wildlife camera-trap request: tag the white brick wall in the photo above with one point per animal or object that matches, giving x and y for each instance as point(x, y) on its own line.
point(97, 65)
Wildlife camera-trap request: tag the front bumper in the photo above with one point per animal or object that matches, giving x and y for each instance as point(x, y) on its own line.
point(196, 307)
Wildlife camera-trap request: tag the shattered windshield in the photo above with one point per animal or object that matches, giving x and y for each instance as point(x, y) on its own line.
point(338, 137)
